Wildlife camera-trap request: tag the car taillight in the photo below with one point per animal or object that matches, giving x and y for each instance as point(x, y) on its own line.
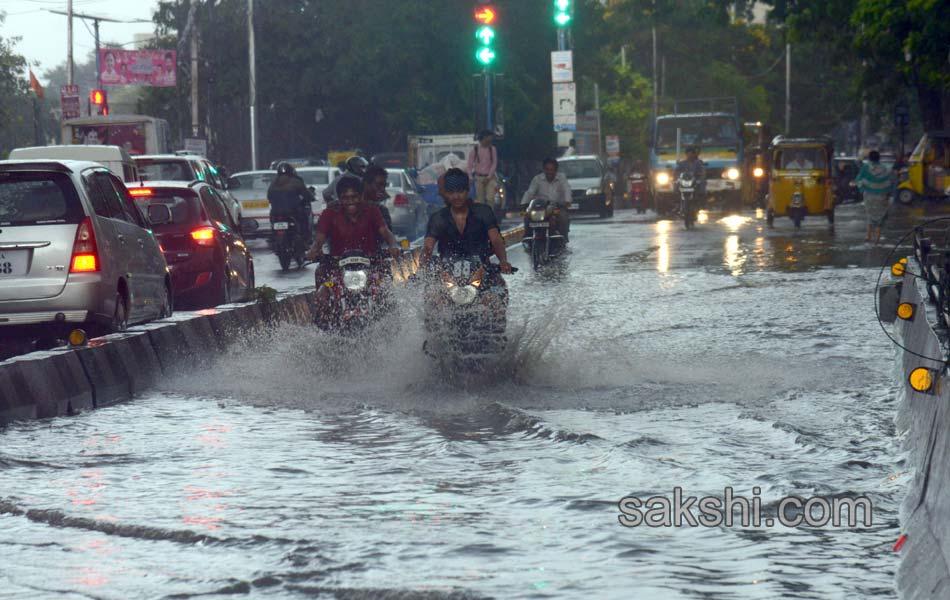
point(139, 192)
point(85, 252)
point(401, 200)
point(203, 236)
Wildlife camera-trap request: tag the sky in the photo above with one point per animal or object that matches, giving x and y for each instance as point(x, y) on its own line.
point(44, 34)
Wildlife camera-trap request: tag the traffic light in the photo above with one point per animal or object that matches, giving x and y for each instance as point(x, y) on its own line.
point(99, 98)
point(485, 16)
point(562, 12)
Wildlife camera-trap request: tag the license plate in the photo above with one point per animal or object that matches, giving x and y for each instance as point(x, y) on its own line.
point(13, 263)
point(540, 225)
point(281, 226)
point(575, 204)
point(256, 204)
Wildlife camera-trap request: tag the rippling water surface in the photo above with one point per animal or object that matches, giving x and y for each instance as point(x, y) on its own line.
point(302, 466)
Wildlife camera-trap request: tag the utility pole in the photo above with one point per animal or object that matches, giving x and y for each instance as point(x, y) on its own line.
point(655, 74)
point(788, 88)
point(195, 126)
point(70, 69)
point(252, 81)
point(95, 26)
point(597, 108)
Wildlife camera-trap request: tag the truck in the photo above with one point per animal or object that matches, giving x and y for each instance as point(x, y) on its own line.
point(425, 150)
point(712, 124)
point(136, 134)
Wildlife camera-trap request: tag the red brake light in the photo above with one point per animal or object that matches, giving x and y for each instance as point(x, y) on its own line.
point(85, 252)
point(136, 192)
point(401, 200)
point(203, 236)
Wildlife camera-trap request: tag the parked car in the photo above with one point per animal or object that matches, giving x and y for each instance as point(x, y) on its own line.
point(204, 248)
point(188, 167)
point(592, 184)
point(250, 188)
point(406, 205)
point(114, 158)
point(75, 250)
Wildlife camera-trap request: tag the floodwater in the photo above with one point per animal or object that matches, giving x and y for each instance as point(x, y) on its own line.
point(301, 465)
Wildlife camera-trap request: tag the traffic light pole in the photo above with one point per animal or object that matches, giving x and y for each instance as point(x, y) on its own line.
point(489, 81)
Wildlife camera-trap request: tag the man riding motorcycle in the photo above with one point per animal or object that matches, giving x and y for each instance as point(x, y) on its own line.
point(353, 225)
point(288, 196)
point(697, 168)
point(553, 187)
point(355, 166)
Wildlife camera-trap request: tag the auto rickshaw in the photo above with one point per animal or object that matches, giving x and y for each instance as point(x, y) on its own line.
point(800, 179)
point(927, 174)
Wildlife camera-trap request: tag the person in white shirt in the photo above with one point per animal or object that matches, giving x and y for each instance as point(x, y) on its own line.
point(799, 162)
point(553, 187)
point(571, 149)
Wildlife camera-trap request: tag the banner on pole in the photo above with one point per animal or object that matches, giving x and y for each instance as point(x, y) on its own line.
point(155, 68)
point(565, 106)
point(69, 98)
point(562, 66)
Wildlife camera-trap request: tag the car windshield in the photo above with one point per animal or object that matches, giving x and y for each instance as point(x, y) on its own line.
point(580, 169)
point(705, 132)
point(184, 206)
point(317, 177)
point(394, 180)
point(165, 170)
point(255, 181)
point(38, 199)
point(794, 159)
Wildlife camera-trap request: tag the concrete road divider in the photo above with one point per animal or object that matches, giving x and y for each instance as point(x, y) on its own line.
point(117, 367)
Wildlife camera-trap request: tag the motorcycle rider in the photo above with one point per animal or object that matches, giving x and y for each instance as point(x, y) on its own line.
point(354, 166)
point(697, 168)
point(354, 225)
point(553, 187)
point(288, 195)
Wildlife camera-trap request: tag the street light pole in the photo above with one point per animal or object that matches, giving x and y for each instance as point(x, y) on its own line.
point(788, 88)
point(69, 42)
point(252, 81)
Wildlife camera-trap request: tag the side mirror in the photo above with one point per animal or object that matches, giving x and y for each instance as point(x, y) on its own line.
point(159, 214)
point(249, 225)
point(234, 183)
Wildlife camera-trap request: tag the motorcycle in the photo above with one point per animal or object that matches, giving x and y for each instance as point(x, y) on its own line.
point(359, 293)
point(687, 188)
point(638, 192)
point(466, 316)
point(288, 242)
point(542, 239)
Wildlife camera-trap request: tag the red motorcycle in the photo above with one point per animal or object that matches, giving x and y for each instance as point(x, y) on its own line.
point(637, 183)
point(360, 292)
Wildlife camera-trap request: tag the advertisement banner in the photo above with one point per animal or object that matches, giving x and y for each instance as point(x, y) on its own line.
point(69, 98)
point(565, 106)
point(613, 146)
point(562, 66)
point(155, 68)
point(130, 136)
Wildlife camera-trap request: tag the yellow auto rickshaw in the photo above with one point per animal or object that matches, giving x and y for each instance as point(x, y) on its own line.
point(927, 174)
point(800, 179)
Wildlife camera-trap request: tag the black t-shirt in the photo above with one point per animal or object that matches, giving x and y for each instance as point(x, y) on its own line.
point(473, 241)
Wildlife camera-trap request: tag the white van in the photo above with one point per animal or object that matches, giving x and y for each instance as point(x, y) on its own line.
point(114, 158)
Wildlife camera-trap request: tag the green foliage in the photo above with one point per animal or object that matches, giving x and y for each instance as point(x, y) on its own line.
point(264, 294)
point(17, 108)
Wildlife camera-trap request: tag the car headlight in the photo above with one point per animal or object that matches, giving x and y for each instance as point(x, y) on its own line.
point(663, 178)
point(758, 172)
point(537, 215)
point(732, 173)
point(354, 280)
point(593, 191)
point(463, 294)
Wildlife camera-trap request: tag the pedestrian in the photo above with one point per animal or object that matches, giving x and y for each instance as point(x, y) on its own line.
point(482, 164)
point(874, 181)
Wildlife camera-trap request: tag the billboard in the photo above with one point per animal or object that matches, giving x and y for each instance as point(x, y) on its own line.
point(155, 68)
point(69, 97)
point(562, 66)
point(565, 102)
point(130, 136)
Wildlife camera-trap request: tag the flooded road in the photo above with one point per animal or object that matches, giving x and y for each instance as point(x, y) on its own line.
point(306, 466)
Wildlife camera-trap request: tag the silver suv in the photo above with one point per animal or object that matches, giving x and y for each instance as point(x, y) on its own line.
point(74, 248)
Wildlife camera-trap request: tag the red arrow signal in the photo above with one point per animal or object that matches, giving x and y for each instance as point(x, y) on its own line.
point(485, 15)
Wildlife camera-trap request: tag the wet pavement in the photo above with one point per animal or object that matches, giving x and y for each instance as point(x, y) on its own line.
point(304, 465)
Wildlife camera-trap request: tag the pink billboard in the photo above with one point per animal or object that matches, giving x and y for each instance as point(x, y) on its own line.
point(156, 68)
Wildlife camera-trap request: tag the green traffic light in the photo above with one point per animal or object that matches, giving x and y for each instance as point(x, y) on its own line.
point(562, 19)
point(485, 34)
point(485, 56)
point(562, 5)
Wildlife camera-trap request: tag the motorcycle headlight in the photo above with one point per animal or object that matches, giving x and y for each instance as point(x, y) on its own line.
point(537, 215)
point(662, 178)
point(732, 173)
point(463, 294)
point(354, 281)
point(593, 191)
point(758, 172)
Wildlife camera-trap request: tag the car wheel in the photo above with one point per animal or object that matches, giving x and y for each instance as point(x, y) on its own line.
point(223, 293)
point(906, 197)
point(120, 317)
point(251, 283)
point(168, 306)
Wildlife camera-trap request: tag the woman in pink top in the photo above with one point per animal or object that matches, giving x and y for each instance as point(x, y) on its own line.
point(482, 162)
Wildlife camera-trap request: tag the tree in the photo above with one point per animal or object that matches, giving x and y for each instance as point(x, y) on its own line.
point(17, 108)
